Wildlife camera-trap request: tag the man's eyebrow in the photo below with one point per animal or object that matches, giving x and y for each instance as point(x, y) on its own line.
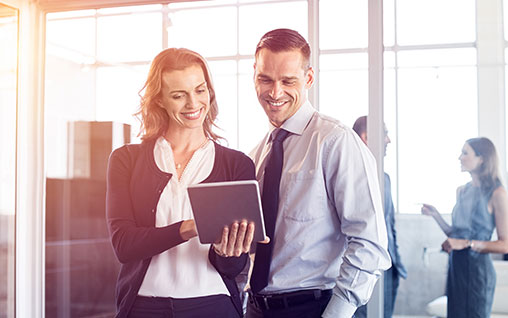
point(204, 83)
point(284, 78)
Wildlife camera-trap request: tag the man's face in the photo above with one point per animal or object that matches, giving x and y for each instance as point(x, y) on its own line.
point(281, 83)
point(387, 139)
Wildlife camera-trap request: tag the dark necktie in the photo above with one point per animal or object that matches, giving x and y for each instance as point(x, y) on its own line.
point(270, 203)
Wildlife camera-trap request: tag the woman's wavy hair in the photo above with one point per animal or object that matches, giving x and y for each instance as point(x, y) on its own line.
point(488, 171)
point(154, 119)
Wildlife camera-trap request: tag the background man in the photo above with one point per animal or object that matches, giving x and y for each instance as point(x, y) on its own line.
point(321, 198)
point(392, 275)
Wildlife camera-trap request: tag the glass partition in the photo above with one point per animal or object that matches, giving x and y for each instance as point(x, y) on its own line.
point(8, 114)
point(89, 93)
point(96, 63)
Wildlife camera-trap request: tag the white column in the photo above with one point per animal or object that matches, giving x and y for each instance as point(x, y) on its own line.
point(491, 80)
point(30, 164)
point(375, 127)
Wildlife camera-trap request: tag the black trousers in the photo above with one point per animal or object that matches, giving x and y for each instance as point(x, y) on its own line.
point(207, 307)
point(309, 309)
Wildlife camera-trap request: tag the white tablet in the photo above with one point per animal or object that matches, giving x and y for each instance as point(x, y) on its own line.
point(217, 204)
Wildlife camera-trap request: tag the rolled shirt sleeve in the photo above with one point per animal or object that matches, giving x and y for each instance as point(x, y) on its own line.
point(354, 187)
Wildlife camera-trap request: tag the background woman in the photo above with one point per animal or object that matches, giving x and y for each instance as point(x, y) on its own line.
point(165, 271)
point(482, 205)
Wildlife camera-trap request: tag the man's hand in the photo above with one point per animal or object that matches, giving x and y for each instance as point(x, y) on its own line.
point(236, 239)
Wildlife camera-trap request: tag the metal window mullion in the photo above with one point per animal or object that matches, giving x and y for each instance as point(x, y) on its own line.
point(165, 25)
point(313, 30)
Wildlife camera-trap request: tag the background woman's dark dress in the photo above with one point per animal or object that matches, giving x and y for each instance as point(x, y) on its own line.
point(471, 275)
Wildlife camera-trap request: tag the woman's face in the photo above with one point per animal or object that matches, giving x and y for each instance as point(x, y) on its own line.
point(185, 97)
point(469, 161)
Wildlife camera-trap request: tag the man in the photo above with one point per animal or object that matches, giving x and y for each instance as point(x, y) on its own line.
point(392, 275)
point(325, 219)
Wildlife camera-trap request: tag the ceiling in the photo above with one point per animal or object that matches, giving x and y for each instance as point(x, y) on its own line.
point(66, 5)
point(6, 11)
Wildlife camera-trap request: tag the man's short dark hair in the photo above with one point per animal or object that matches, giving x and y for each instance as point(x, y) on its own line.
point(360, 125)
point(281, 40)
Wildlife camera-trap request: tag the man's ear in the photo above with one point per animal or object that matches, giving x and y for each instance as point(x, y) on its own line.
point(309, 78)
point(363, 137)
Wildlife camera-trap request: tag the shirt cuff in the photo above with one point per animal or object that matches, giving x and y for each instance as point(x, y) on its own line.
point(337, 307)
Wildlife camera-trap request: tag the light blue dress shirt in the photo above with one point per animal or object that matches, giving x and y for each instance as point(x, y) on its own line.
point(330, 229)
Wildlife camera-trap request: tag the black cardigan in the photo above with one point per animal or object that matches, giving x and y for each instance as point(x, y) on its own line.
point(134, 186)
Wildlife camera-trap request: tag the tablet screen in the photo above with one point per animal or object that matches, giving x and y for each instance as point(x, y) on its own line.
point(217, 204)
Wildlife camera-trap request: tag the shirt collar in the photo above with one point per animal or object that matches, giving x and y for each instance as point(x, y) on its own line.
point(296, 124)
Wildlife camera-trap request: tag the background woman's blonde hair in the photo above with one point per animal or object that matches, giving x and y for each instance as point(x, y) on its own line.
point(154, 119)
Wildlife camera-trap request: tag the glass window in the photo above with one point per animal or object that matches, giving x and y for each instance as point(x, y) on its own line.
point(268, 16)
point(435, 21)
point(70, 14)
point(140, 37)
point(505, 24)
point(436, 58)
point(437, 94)
point(91, 92)
point(389, 22)
point(215, 36)
point(343, 24)
point(143, 8)
point(97, 61)
point(225, 84)
point(8, 113)
point(74, 37)
point(506, 100)
point(343, 86)
point(390, 120)
point(252, 121)
point(69, 96)
point(118, 89)
point(505, 19)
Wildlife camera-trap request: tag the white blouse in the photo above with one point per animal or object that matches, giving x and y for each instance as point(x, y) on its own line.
point(183, 271)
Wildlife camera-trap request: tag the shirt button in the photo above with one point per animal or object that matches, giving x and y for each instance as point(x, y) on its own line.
point(153, 210)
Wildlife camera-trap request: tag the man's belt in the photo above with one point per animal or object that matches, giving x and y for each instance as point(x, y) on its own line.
point(286, 300)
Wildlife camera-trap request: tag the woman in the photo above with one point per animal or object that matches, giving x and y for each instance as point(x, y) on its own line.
point(165, 271)
point(482, 205)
